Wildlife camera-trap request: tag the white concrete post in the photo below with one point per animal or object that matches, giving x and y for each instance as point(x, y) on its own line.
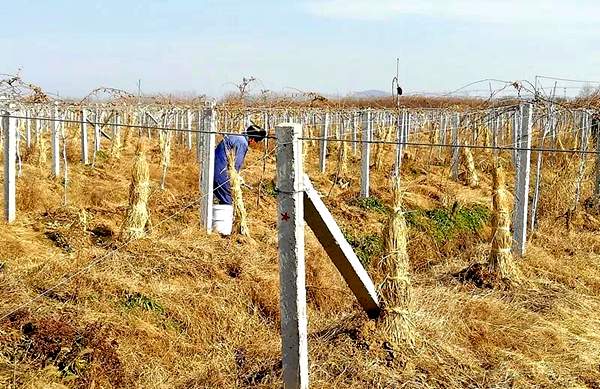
point(323, 154)
point(290, 216)
point(84, 138)
point(97, 135)
point(208, 171)
point(189, 129)
point(538, 172)
point(454, 163)
point(199, 135)
point(442, 139)
point(366, 154)
point(595, 130)
point(522, 190)
point(56, 142)
point(9, 125)
point(28, 128)
point(516, 127)
point(354, 135)
point(401, 140)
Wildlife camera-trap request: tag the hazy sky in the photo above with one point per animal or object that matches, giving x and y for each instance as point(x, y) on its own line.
point(330, 46)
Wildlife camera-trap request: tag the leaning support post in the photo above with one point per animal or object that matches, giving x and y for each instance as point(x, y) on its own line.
point(290, 216)
point(331, 237)
point(55, 142)
point(208, 171)
point(10, 158)
point(84, 138)
point(366, 154)
point(522, 190)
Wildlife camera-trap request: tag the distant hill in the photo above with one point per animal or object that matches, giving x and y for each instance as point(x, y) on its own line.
point(370, 93)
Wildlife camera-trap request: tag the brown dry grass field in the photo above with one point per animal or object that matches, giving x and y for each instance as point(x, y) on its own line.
point(183, 309)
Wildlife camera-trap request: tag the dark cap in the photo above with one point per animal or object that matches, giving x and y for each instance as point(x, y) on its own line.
point(255, 132)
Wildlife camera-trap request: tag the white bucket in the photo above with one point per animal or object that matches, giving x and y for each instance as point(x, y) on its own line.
point(222, 218)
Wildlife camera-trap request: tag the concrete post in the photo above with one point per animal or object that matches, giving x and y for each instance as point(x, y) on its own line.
point(28, 129)
point(522, 190)
point(354, 135)
point(97, 135)
point(56, 142)
point(208, 170)
point(401, 139)
point(9, 125)
point(595, 130)
point(323, 151)
point(189, 129)
point(84, 138)
point(200, 136)
point(290, 216)
point(366, 154)
point(516, 127)
point(454, 163)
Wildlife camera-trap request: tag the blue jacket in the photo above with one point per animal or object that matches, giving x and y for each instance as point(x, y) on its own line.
point(239, 145)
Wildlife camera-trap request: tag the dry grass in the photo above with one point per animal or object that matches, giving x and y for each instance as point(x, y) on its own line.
point(183, 309)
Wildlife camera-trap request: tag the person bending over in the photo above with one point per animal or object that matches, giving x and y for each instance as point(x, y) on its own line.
point(239, 145)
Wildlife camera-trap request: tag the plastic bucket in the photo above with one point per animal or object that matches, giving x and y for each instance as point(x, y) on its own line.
point(222, 218)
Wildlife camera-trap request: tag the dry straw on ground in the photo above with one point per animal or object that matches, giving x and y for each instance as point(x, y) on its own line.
point(395, 288)
point(137, 219)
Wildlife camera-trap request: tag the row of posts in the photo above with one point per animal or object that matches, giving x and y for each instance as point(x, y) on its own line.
point(207, 129)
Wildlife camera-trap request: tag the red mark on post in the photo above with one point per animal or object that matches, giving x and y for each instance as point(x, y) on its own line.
point(285, 217)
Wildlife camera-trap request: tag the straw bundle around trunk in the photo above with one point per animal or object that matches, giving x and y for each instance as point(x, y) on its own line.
point(115, 145)
point(471, 173)
point(137, 220)
point(239, 210)
point(395, 288)
point(488, 138)
point(164, 142)
point(343, 156)
point(501, 261)
point(128, 121)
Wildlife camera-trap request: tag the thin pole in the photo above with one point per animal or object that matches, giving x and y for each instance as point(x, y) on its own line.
point(10, 157)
